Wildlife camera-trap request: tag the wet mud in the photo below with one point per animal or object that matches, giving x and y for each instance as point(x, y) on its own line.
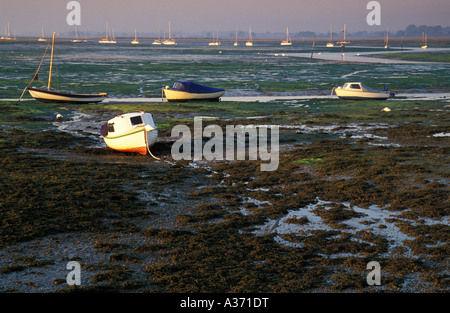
point(353, 185)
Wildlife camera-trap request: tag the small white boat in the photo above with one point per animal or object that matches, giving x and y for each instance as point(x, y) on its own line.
point(107, 39)
point(425, 45)
point(170, 41)
point(157, 41)
point(184, 91)
point(130, 132)
point(359, 91)
point(236, 41)
point(135, 41)
point(215, 41)
point(42, 38)
point(249, 42)
point(330, 44)
point(76, 40)
point(386, 39)
point(288, 41)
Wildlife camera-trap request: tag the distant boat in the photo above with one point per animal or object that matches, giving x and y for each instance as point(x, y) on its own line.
point(42, 38)
point(157, 41)
point(215, 41)
point(107, 39)
point(49, 95)
point(359, 91)
point(130, 132)
point(170, 41)
point(344, 33)
point(185, 91)
point(425, 45)
point(386, 39)
point(288, 41)
point(236, 41)
point(76, 35)
point(249, 42)
point(7, 33)
point(135, 41)
point(330, 44)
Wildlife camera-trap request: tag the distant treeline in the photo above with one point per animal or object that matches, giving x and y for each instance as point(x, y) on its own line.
point(412, 31)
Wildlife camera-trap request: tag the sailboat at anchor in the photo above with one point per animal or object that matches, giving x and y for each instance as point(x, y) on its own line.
point(288, 41)
point(107, 39)
point(50, 95)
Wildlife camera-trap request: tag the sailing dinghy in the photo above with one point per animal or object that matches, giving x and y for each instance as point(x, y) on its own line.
point(49, 95)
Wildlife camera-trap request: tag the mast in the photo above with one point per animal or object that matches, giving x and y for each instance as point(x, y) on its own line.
point(51, 63)
point(170, 33)
point(331, 32)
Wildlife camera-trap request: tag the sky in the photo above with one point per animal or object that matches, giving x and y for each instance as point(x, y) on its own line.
point(26, 17)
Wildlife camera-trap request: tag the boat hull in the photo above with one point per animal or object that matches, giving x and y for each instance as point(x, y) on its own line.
point(359, 91)
point(58, 96)
point(137, 140)
point(176, 95)
point(352, 95)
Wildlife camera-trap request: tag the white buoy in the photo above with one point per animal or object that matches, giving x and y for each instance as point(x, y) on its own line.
point(386, 109)
point(58, 116)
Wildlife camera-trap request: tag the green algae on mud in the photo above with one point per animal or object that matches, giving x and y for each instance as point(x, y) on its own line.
point(208, 243)
point(443, 57)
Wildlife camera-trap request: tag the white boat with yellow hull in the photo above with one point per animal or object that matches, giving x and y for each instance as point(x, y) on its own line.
point(184, 91)
point(359, 91)
point(130, 132)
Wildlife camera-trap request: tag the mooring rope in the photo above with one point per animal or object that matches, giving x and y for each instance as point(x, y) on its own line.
point(148, 148)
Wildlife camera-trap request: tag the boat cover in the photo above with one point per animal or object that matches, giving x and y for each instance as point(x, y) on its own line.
point(192, 87)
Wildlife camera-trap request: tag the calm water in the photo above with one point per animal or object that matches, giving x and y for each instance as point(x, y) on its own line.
point(126, 71)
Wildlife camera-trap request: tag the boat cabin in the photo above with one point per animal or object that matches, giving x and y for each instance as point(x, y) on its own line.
point(358, 86)
point(125, 122)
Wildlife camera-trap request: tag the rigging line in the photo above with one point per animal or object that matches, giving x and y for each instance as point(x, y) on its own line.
point(37, 71)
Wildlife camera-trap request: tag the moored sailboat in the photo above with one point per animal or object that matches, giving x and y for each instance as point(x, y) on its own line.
point(49, 95)
point(76, 35)
point(107, 39)
point(425, 40)
point(386, 38)
point(288, 41)
point(42, 38)
point(135, 41)
point(249, 42)
point(170, 41)
point(215, 41)
point(330, 44)
point(157, 41)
